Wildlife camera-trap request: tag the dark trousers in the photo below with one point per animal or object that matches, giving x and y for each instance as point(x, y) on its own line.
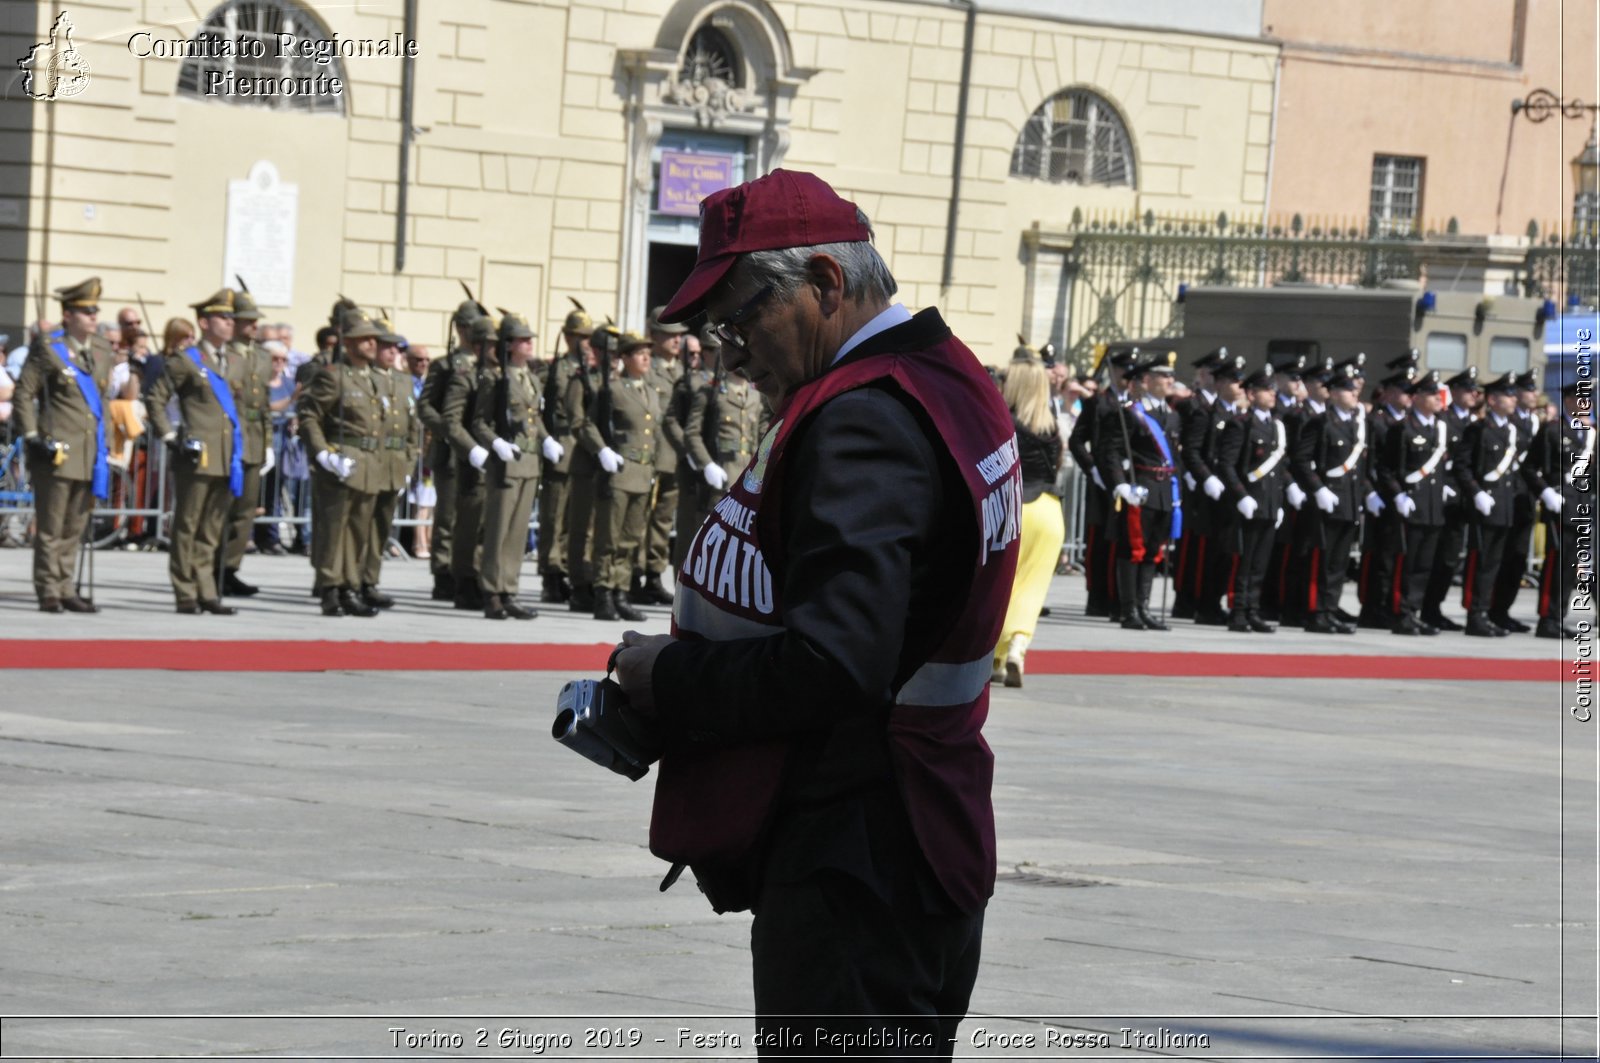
point(1452, 541)
point(1514, 561)
point(1413, 565)
point(828, 954)
point(1327, 564)
point(1099, 571)
point(1379, 560)
point(1560, 575)
point(1253, 543)
point(1485, 548)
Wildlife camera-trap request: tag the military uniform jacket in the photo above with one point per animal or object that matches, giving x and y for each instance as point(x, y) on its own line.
point(1379, 422)
point(460, 399)
point(202, 415)
point(726, 423)
point(430, 405)
point(664, 377)
point(249, 372)
point(635, 424)
point(1562, 456)
point(560, 420)
point(1144, 465)
point(522, 411)
point(1084, 439)
point(1201, 421)
point(1333, 451)
point(579, 396)
point(1413, 461)
point(1527, 427)
point(343, 412)
point(1253, 461)
point(1484, 458)
point(63, 415)
point(690, 382)
point(400, 426)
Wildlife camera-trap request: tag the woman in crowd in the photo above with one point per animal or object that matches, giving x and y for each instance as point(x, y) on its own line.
point(1027, 392)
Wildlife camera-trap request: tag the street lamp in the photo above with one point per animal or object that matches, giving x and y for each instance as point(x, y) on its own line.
point(1586, 188)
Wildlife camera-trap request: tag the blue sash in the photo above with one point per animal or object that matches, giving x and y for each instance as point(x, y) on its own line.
point(224, 393)
point(1160, 435)
point(91, 398)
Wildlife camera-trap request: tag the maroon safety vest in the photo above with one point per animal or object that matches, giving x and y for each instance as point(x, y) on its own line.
point(711, 804)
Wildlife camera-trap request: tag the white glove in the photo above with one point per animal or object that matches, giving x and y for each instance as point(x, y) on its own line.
point(477, 456)
point(715, 476)
point(1405, 504)
point(1094, 474)
point(1483, 502)
point(1296, 495)
point(553, 451)
point(1449, 492)
point(1125, 492)
point(506, 452)
point(1326, 500)
point(337, 464)
point(610, 460)
point(269, 462)
point(1212, 487)
point(1375, 503)
point(1189, 481)
point(1552, 500)
point(1247, 507)
point(168, 438)
point(1277, 520)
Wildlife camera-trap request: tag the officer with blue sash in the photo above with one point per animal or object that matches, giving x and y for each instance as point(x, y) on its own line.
point(66, 376)
point(207, 454)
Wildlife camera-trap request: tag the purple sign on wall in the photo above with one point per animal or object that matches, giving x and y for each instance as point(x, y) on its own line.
point(687, 179)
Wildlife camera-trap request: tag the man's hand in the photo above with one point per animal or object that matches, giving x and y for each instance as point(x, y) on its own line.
point(1375, 503)
point(1552, 500)
point(1483, 502)
point(1099, 481)
point(610, 460)
point(634, 660)
point(715, 476)
point(1326, 500)
point(1125, 492)
point(1296, 495)
point(553, 451)
point(506, 451)
point(1404, 504)
point(477, 457)
point(269, 462)
point(1247, 507)
point(1212, 487)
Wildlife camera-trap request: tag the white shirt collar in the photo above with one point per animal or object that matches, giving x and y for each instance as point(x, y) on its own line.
point(1396, 411)
point(1499, 422)
point(1344, 415)
point(1264, 415)
point(1462, 412)
point(1209, 396)
point(895, 315)
point(1426, 422)
point(1316, 407)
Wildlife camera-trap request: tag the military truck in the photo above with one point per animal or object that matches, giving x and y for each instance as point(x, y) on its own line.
point(1499, 334)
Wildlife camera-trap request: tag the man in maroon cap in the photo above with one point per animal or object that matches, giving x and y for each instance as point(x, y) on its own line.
point(821, 698)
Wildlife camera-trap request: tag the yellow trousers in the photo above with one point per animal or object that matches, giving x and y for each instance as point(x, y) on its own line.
point(1043, 531)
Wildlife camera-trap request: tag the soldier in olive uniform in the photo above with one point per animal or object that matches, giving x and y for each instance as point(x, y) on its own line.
point(622, 433)
point(342, 424)
point(440, 460)
point(727, 419)
point(506, 422)
point(322, 486)
point(399, 456)
point(666, 369)
point(555, 481)
point(67, 373)
point(208, 463)
point(584, 472)
point(460, 399)
point(249, 372)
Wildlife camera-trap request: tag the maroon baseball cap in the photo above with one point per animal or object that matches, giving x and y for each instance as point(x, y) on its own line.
point(786, 208)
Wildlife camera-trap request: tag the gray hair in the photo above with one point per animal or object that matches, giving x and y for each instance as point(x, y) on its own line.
point(866, 275)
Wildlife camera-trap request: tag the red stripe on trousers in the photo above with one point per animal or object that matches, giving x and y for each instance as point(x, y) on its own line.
point(1233, 579)
point(1547, 580)
point(1399, 574)
point(1466, 584)
point(1088, 559)
point(1311, 597)
point(1361, 584)
point(1136, 548)
point(1183, 564)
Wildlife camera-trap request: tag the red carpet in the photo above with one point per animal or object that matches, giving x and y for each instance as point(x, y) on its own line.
point(296, 656)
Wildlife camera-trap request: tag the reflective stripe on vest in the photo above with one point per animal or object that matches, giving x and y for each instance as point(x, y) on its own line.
point(940, 685)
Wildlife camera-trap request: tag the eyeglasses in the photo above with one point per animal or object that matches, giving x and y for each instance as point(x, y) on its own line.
point(728, 328)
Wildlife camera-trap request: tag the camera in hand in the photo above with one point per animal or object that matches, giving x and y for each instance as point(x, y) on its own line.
point(593, 718)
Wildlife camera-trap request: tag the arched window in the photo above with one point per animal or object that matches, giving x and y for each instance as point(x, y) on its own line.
point(710, 54)
point(241, 42)
point(1075, 137)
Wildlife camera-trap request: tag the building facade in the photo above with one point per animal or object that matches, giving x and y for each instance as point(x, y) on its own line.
point(558, 149)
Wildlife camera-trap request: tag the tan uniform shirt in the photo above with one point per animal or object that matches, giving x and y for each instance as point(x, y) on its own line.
point(63, 414)
point(635, 421)
point(343, 413)
point(522, 410)
point(202, 415)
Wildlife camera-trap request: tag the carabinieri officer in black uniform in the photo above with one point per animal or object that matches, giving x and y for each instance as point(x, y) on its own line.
point(1331, 461)
point(1139, 461)
point(1412, 472)
point(1252, 459)
point(1484, 462)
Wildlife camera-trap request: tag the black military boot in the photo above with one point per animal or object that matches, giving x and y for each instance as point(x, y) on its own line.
point(468, 596)
point(1327, 624)
point(582, 600)
point(624, 610)
point(1551, 628)
point(444, 587)
point(1239, 621)
point(1128, 595)
point(1479, 626)
point(236, 587)
point(637, 591)
point(605, 603)
point(1183, 606)
point(1147, 578)
point(330, 602)
point(1509, 623)
point(353, 603)
point(550, 589)
point(1258, 624)
point(655, 592)
point(1437, 618)
point(493, 609)
point(515, 609)
point(376, 598)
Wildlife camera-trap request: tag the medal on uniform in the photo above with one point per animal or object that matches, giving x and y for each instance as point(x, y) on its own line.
point(758, 472)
